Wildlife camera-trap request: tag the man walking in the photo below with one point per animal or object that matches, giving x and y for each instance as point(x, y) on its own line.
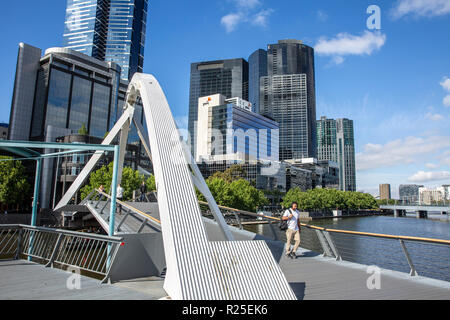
point(119, 195)
point(143, 190)
point(293, 230)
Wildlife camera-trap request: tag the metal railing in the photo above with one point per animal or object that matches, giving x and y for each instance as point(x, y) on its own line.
point(100, 196)
point(94, 254)
point(414, 255)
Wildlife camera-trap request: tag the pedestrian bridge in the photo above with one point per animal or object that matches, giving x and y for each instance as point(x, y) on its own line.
point(194, 258)
point(421, 210)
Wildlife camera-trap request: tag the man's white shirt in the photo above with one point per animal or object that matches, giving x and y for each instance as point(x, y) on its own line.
point(292, 223)
point(119, 192)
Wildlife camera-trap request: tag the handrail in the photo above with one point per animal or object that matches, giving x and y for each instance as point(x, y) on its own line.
point(130, 207)
point(65, 232)
point(87, 252)
point(360, 233)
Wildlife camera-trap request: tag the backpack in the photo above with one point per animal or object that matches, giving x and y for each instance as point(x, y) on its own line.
point(284, 223)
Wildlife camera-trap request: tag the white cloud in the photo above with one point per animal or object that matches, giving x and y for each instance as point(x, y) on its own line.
point(445, 83)
point(250, 4)
point(420, 8)
point(230, 21)
point(400, 151)
point(245, 11)
point(446, 100)
point(322, 16)
point(346, 44)
point(432, 166)
point(260, 19)
point(426, 176)
point(434, 116)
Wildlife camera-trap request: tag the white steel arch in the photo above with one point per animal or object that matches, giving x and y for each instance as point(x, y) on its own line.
point(196, 267)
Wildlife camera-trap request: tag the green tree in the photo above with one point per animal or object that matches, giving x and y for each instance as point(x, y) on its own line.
point(234, 193)
point(131, 180)
point(329, 199)
point(14, 187)
point(83, 131)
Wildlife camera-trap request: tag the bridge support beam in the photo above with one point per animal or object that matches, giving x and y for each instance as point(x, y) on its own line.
point(421, 214)
point(399, 213)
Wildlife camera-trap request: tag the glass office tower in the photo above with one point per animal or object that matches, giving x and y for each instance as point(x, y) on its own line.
point(335, 142)
point(110, 30)
point(126, 35)
point(287, 94)
point(86, 27)
point(257, 66)
point(227, 77)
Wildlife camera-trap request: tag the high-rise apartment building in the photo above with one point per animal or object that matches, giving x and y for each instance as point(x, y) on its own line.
point(111, 30)
point(385, 191)
point(227, 77)
point(335, 142)
point(286, 89)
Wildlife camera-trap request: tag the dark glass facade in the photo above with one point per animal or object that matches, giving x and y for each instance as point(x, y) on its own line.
point(126, 35)
point(257, 64)
point(110, 30)
point(287, 94)
point(86, 27)
point(68, 96)
point(335, 142)
point(227, 77)
point(68, 90)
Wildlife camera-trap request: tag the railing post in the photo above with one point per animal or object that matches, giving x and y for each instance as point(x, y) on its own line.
point(55, 251)
point(323, 243)
point(413, 271)
point(332, 246)
point(123, 220)
point(19, 244)
point(238, 220)
point(98, 202)
point(111, 262)
point(275, 237)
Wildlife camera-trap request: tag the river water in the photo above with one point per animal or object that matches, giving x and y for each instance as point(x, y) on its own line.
point(429, 260)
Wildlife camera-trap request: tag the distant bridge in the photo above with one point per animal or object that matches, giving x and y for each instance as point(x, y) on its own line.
point(421, 210)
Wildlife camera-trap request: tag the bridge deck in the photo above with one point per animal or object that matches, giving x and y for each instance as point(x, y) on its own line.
point(310, 275)
point(23, 280)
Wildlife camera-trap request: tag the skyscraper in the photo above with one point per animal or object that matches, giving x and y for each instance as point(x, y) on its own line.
point(86, 27)
point(335, 142)
point(287, 94)
point(126, 35)
point(257, 66)
point(227, 77)
point(110, 30)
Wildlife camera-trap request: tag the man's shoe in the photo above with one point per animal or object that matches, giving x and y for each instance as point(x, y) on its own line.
point(289, 254)
point(293, 255)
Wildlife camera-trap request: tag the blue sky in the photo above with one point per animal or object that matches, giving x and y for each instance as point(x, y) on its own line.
point(393, 82)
